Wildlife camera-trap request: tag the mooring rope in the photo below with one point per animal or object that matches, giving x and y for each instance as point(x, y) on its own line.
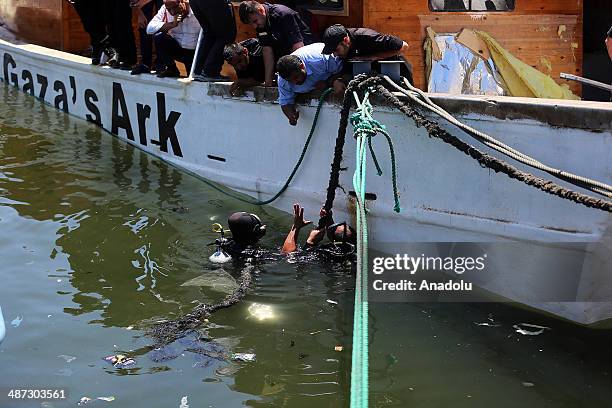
point(166, 332)
point(584, 182)
point(485, 160)
point(364, 127)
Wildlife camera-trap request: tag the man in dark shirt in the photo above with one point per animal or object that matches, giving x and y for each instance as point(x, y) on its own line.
point(247, 59)
point(365, 44)
point(280, 31)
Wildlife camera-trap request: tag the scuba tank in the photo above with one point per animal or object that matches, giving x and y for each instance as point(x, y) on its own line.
point(220, 256)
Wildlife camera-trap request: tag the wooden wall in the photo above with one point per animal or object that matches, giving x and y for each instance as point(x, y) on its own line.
point(74, 37)
point(38, 21)
point(530, 32)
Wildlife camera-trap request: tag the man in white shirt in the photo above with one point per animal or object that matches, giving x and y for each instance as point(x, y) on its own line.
point(175, 33)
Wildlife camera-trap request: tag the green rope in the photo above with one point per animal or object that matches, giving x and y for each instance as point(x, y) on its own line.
point(252, 201)
point(365, 125)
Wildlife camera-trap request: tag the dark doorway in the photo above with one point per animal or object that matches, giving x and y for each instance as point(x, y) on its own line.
point(596, 64)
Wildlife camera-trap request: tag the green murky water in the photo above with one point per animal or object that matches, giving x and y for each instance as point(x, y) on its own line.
point(97, 241)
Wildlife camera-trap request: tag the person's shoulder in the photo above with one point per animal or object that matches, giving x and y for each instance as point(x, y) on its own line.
point(314, 50)
point(363, 32)
point(280, 10)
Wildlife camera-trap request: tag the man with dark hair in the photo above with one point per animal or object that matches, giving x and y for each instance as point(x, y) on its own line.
point(366, 45)
point(219, 29)
point(175, 33)
point(247, 59)
point(302, 71)
point(280, 31)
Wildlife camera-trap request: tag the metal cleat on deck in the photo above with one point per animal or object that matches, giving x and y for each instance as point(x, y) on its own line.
point(391, 69)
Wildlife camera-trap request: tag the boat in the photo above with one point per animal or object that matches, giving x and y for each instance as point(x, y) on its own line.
point(246, 144)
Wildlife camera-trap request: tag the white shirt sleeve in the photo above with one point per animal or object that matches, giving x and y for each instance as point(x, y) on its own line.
point(157, 22)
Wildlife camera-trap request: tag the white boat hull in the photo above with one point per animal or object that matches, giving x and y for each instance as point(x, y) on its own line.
point(445, 196)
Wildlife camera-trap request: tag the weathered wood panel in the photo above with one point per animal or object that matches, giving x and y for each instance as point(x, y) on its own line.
point(546, 34)
point(74, 37)
point(38, 21)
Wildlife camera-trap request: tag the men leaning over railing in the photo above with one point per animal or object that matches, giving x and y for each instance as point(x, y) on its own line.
point(365, 44)
point(247, 59)
point(304, 70)
point(280, 31)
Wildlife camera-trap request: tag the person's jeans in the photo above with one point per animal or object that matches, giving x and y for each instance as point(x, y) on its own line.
point(218, 28)
point(119, 17)
point(169, 50)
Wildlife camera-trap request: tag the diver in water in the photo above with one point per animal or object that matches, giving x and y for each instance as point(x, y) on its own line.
point(247, 229)
point(341, 235)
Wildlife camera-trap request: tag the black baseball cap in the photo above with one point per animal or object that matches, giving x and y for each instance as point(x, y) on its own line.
point(332, 37)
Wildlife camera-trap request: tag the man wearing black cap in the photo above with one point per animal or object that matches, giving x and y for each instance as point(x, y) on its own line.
point(366, 45)
point(280, 31)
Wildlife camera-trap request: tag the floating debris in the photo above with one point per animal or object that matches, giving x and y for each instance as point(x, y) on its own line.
point(87, 400)
point(302, 356)
point(120, 361)
point(184, 402)
point(84, 400)
point(246, 357)
point(66, 358)
point(332, 302)
point(16, 321)
point(487, 324)
point(526, 332)
point(338, 348)
point(528, 384)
